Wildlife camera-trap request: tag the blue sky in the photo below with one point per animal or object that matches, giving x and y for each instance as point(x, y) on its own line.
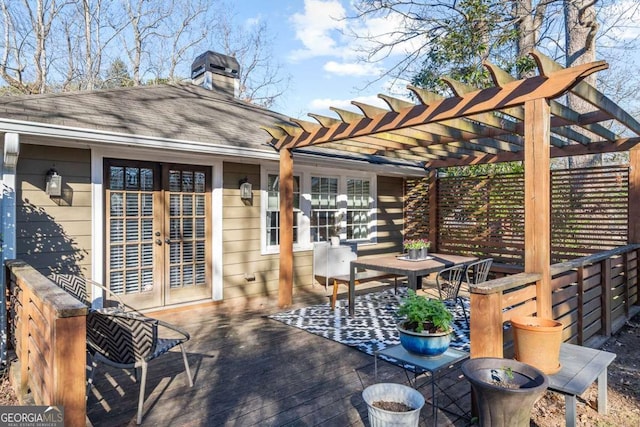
point(311, 48)
point(322, 62)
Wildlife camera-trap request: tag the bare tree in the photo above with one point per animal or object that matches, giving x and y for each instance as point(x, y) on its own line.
point(422, 29)
point(52, 45)
point(261, 81)
point(143, 19)
point(26, 32)
point(184, 30)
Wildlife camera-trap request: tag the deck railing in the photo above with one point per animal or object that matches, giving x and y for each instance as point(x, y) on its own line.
point(592, 296)
point(47, 330)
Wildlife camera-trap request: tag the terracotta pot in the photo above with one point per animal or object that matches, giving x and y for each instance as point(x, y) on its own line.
point(537, 342)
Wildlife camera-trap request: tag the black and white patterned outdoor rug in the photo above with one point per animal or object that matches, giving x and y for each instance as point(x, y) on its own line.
point(373, 327)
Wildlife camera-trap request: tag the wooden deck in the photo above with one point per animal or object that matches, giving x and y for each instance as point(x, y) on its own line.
point(251, 370)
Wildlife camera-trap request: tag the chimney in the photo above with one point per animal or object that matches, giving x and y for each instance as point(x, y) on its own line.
point(215, 71)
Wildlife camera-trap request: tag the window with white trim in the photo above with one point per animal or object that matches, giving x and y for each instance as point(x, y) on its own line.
point(325, 203)
point(273, 209)
point(358, 209)
point(325, 218)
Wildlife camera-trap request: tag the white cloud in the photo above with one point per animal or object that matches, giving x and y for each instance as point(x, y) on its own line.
point(324, 31)
point(352, 69)
point(317, 28)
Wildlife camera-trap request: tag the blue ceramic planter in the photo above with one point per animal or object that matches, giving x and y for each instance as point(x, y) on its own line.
point(423, 344)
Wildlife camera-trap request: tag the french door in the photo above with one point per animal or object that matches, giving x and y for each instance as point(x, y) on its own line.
point(158, 232)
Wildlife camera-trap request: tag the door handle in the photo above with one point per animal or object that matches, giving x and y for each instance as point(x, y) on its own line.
point(158, 242)
point(167, 240)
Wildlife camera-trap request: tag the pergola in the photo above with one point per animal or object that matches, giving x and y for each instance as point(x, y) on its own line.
point(514, 120)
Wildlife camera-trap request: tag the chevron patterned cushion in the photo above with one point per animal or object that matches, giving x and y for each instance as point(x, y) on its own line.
point(73, 284)
point(123, 338)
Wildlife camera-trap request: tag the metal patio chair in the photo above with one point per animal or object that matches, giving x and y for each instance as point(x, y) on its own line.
point(80, 288)
point(478, 271)
point(449, 281)
point(131, 341)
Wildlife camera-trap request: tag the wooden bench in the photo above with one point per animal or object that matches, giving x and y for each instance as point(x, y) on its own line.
point(361, 277)
point(580, 367)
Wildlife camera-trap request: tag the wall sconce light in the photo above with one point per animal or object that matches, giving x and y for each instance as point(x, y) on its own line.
point(53, 186)
point(245, 190)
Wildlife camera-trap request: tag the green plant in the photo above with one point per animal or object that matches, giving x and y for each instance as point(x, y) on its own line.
point(416, 244)
point(425, 314)
point(503, 377)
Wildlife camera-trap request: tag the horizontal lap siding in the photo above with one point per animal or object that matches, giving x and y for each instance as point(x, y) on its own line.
point(241, 234)
point(54, 233)
point(389, 217)
point(416, 208)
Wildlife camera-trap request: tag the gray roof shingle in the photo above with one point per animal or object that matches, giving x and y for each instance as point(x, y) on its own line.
point(183, 112)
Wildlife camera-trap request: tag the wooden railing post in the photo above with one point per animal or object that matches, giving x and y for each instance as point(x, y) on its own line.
point(24, 296)
point(580, 321)
point(69, 372)
point(50, 343)
point(485, 326)
point(606, 297)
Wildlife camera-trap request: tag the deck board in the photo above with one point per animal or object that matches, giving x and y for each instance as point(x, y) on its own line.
point(249, 370)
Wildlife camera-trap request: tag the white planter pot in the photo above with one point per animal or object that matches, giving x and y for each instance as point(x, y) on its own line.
point(392, 392)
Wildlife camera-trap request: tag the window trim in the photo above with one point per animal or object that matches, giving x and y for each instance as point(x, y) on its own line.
point(304, 222)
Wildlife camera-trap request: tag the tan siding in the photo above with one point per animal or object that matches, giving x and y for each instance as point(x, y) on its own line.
point(241, 241)
point(241, 235)
point(390, 221)
point(54, 233)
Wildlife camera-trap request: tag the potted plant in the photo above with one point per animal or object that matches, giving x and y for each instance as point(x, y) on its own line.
point(417, 248)
point(532, 333)
point(504, 390)
point(426, 329)
point(390, 404)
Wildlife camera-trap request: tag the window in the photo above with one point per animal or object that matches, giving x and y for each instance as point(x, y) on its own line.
point(358, 209)
point(326, 203)
point(324, 208)
point(273, 209)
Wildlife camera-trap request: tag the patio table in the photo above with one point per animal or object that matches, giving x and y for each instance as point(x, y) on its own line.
point(396, 264)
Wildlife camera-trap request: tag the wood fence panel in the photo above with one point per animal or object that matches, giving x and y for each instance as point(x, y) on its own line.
point(584, 299)
point(483, 216)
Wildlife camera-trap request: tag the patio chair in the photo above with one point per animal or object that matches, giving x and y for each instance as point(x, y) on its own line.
point(130, 340)
point(449, 281)
point(478, 271)
point(78, 286)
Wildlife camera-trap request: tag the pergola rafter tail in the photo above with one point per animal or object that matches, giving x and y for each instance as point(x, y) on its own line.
point(515, 120)
point(513, 94)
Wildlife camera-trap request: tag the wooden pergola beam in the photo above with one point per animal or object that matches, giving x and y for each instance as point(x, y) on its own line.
point(537, 201)
point(589, 93)
point(516, 120)
point(571, 150)
point(501, 77)
point(511, 95)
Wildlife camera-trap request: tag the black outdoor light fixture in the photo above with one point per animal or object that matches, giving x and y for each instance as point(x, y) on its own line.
point(53, 181)
point(245, 189)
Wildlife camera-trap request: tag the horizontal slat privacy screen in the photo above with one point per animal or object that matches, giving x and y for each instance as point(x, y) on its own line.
point(485, 215)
